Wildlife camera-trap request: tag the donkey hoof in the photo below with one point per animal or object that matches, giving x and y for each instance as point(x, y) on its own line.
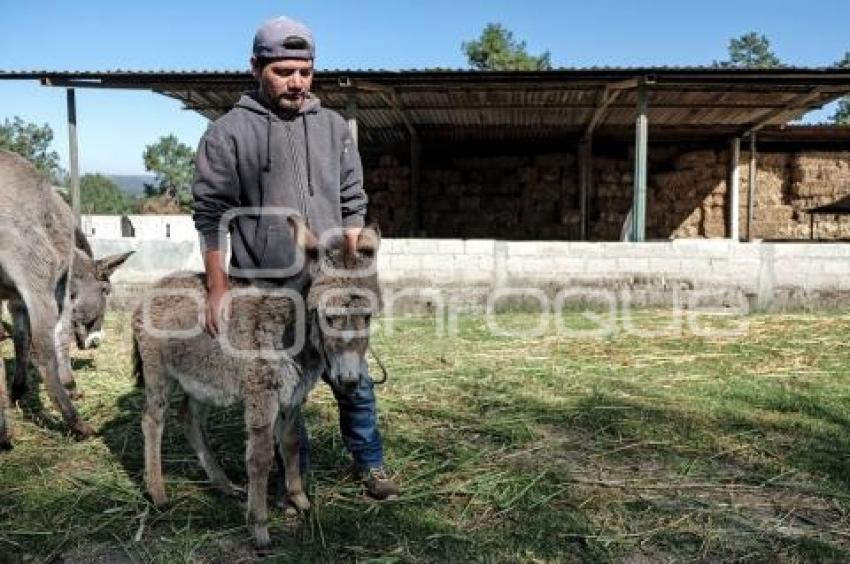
point(262, 541)
point(231, 490)
point(82, 430)
point(5, 443)
point(297, 503)
point(17, 393)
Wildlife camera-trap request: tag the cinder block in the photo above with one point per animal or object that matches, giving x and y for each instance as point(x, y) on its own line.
point(569, 265)
point(406, 262)
point(665, 266)
point(448, 246)
point(836, 266)
point(600, 265)
point(478, 247)
point(419, 246)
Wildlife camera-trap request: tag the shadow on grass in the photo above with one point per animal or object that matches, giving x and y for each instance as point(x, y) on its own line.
point(661, 480)
point(428, 522)
point(730, 473)
point(32, 408)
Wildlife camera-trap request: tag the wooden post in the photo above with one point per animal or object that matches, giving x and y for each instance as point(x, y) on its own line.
point(351, 115)
point(751, 191)
point(641, 138)
point(585, 173)
point(415, 201)
point(734, 188)
point(73, 155)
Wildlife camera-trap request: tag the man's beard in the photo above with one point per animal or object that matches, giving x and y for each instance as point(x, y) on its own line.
point(281, 102)
point(288, 102)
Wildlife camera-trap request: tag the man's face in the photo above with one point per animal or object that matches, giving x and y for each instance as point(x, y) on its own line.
point(286, 82)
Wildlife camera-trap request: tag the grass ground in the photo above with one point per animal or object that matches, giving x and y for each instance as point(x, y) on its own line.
point(548, 448)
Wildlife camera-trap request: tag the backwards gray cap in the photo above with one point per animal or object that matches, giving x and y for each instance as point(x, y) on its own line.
point(271, 38)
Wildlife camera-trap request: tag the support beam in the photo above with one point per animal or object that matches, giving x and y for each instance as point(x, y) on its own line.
point(73, 154)
point(789, 111)
point(751, 189)
point(734, 188)
point(585, 171)
point(351, 115)
point(641, 137)
point(415, 221)
point(607, 98)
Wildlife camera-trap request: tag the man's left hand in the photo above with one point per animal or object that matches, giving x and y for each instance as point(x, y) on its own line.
point(351, 236)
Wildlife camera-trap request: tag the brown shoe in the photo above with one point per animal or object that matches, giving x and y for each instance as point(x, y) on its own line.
point(378, 485)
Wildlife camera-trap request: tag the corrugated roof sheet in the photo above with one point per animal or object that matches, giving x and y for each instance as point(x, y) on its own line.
point(459, 104)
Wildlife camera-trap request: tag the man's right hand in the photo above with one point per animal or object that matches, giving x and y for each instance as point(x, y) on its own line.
point(218, 309)
point(218, 293)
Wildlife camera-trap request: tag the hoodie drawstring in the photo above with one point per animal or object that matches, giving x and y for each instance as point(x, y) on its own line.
point(268, 166)
point(307, 150)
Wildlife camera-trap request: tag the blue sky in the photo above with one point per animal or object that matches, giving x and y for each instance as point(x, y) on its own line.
point(114, 126)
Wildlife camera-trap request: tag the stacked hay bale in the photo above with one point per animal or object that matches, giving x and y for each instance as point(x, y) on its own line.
point(773, 212)
point(536, 197)
point(388, 187)
point(819, 178)
point(613, 187)
point(506, 197)
point(688, 201)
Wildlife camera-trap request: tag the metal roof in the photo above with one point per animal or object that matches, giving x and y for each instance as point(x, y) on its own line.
point(444, 105)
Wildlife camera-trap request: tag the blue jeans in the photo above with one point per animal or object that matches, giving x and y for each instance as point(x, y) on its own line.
point(358, 424)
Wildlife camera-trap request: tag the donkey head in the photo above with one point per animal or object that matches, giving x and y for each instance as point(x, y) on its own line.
point(88, 290)
point(341, 301)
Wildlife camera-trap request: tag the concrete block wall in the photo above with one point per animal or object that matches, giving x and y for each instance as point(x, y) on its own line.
point(174, 227)
point(424, 274)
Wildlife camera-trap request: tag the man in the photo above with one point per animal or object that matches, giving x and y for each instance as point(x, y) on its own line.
point(278, 149)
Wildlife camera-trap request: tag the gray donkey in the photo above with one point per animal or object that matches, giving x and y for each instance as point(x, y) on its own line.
point(51, 282)
point(247, 364)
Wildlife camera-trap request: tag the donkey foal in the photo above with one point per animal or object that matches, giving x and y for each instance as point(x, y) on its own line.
point(248, 363)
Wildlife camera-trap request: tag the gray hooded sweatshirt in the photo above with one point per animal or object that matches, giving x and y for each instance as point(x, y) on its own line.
point(253, 157)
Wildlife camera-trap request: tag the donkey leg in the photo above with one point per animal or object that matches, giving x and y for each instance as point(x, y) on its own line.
point(153, 419)
point(5, 437)
point(21, 337)
point(288, 441)
point(62, 343)
point(43, 318)
point(194, 414)
point(260, 415)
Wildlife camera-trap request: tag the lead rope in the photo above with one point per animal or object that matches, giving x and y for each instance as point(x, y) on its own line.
point(380, 365)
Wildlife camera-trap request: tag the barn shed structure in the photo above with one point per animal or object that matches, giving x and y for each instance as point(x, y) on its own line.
point(570, 154)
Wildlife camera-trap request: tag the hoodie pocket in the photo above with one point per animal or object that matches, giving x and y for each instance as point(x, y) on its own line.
point(278, 250)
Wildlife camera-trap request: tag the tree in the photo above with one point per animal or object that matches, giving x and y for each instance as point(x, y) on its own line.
point(32, 142)
point(842, 113)
point(497, 49)
point(99, 195)
point(750, 51)
point(173, 164)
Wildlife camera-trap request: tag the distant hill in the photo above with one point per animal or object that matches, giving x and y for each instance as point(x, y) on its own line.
point(132, 184)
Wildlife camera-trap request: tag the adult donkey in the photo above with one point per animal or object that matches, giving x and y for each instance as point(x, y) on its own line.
point(248, 364)
point(51, 282)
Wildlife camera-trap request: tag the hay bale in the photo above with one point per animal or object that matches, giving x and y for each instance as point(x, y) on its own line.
point(695, 160)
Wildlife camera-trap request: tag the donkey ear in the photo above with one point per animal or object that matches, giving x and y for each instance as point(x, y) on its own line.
point(369, 240)
point(107, 265)
point(304, 238)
